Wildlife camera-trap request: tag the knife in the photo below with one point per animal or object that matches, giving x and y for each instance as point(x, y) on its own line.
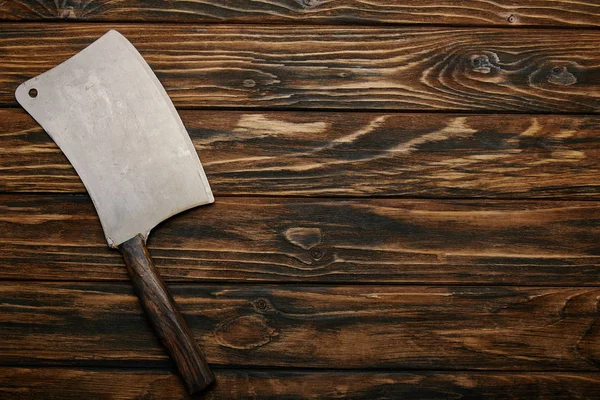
point(112, 118)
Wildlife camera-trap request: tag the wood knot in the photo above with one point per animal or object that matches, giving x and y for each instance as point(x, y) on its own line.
point(249, 83)
point(246, 332)
point(303, 237)
point(317, 253)
point(561, 76)
point(511, 19)
point(262, 305)
point(484, 63)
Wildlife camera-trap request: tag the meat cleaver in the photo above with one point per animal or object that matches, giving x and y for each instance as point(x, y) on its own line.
point(114, 121)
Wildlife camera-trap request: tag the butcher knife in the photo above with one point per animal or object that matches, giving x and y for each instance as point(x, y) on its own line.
point(112, 118)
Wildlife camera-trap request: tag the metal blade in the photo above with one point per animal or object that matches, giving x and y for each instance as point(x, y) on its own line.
point(114, 121)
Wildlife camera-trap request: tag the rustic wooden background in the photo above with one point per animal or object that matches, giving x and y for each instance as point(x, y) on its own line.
point(406, 203)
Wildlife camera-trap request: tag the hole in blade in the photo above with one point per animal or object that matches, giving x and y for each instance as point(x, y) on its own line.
point(33, 93)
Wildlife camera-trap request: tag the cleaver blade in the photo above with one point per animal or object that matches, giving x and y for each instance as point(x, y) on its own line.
point(114, 121)
point(112, 118)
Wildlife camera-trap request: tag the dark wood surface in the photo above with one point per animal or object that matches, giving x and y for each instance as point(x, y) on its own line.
point(406, 203)
point(582, 13)
point(331, 327)
point(161, 384)
point(283, 240)
point(336, 67)
point(256, 153)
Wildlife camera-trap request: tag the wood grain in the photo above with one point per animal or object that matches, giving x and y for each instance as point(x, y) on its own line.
point(336, 67)
point(351, 154)
point(293, 240)
point(324, 296)
point(160, 384)
point(583, 13)
point(342, 327)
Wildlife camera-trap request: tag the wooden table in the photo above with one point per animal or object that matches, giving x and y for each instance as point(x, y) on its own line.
point(406, 203)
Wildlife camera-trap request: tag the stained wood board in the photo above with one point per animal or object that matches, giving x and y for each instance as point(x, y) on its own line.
point(341, 327)
point(162, 384)
point(327, 154)
point(317, 240)
point(507, 13)
point(336, 67)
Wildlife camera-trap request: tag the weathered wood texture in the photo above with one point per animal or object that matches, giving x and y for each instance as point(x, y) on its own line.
point(458, 12)
point(337, 67)
point(356, 154)
point(332, 297)
point(415, 327)
point(287, 240)
point(160, 384)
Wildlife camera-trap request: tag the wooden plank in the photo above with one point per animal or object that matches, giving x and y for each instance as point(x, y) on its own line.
point(304, 240)
point(348, 327)
point(121, 384)
point(351, 154)
point(336, 67)
point(462, 12)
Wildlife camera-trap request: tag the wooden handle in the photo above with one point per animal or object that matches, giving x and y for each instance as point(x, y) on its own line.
point(165, 317)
